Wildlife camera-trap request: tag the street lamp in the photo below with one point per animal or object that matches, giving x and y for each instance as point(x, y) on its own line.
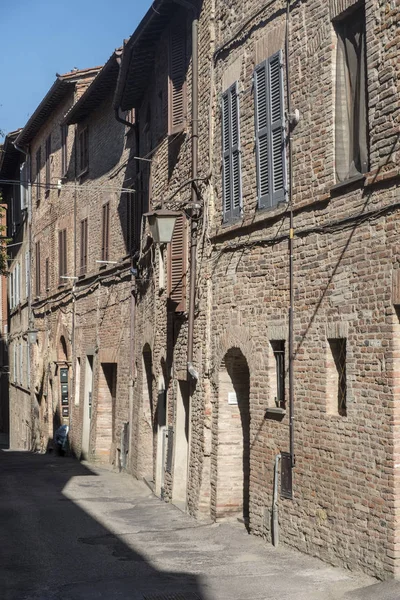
point(32, 335)
point(162, 224)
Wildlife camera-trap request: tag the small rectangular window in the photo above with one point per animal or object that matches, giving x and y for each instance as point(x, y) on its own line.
point(231, 166)
point(62, 255)
point(351, 137)
point(84, 246)
point(177, 94)
point(270, 131)
point(38, 169)
point(48, 163)
point(37, 268)
point(277, 385)
point(177, 253)
point(64, 150)
point(336, 377)
point(105, 232)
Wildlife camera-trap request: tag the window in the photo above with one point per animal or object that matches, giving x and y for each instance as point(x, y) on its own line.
point(351, 145)
point(17, 284)
point(62, 255)
point(27, 274)
point(83, 165)
point(278, 373)
point(64, 150)
point(24, 184)
point(48, 165)
point(105, 232)
point(231, 178)
point(131, 116)
point(84, 245)
point(336, 377)
point(37, 268)
point(270, 132)
point(177, 95)
point(177, 265)
point(47, 274)
point(38, 168)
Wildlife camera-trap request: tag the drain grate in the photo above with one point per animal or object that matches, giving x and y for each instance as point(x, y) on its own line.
point(179, 596)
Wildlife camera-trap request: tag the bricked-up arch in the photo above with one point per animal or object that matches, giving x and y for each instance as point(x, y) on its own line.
point(233, 454)
point(147, 426)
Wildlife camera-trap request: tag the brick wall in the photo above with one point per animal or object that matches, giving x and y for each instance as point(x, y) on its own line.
point(344, 508)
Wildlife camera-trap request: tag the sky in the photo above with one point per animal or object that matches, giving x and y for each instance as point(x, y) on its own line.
point(40, 38)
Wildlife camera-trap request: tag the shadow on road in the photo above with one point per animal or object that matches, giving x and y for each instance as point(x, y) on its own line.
point(52, 549)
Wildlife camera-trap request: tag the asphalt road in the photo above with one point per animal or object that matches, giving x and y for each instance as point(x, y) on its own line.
point(70, 531)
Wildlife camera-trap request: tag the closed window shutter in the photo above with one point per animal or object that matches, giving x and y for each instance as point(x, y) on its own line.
point(270, 132)
point(177, 265)
point(231, 167)
point(37, 266)
point(84, 242)
point(48, 155)
point(177, 80)
point(24, 184)
point(62, 254)
point(27, 274)
point(105, 232)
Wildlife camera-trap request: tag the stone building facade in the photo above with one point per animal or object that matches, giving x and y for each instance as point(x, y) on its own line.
point(156, 81)
point(345, 274)
point(176, 356)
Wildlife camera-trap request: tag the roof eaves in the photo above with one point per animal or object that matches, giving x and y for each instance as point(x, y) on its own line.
point(51, 100)
point(96, 91)
point(147, 33)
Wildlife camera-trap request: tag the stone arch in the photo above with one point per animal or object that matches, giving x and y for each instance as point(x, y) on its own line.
point(233, 437)
point(240, 338)
point(147, 425)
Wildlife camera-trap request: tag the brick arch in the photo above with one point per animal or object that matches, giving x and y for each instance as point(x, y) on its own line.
point(239, 338)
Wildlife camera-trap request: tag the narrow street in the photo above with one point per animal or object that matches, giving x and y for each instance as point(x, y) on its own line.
point(76, 532)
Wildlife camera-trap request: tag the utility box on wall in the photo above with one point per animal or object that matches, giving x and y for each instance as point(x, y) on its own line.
point(64, 391)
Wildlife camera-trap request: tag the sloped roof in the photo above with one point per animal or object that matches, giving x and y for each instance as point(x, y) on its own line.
point(9, 155)
point(104, 82)
point(139, 51)
point(52, 99)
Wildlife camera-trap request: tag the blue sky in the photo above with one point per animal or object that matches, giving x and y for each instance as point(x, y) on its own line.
point(40, 38)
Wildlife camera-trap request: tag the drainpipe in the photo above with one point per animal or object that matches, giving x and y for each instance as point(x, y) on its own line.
point(195, 200)
point(275, 521)
point(291, 235)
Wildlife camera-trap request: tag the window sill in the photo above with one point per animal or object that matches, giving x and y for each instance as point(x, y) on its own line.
point(261, 216)
point(349, 183)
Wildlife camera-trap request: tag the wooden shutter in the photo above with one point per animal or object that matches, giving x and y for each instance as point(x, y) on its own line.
point(177, 265)
point(48, 154)
point(177, 105)
point(83, 150)
point(37, 268)
point(47, 274)
point(38, 167)
point(231, 161)
point(62, 255)
point(84, 244)
point(105, 232)
point(270, 132)
point(64, 150)
point(27, 274)
point(23, 179)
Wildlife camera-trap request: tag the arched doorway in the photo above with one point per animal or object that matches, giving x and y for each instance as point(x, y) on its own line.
point(233, 467)
point(147, 425)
